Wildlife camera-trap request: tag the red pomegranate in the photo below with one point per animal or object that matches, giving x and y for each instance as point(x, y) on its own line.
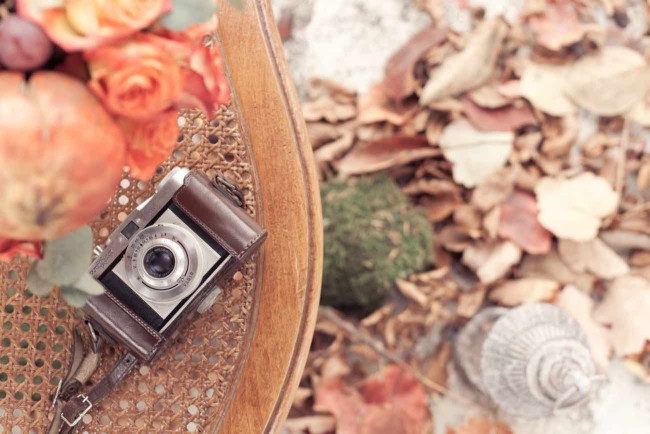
point(61, 155)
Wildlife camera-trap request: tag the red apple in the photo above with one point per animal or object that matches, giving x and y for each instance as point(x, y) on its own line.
point(61, 155)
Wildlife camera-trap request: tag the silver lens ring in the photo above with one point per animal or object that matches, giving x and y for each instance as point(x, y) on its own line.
point(184, 277)
point(180, 265)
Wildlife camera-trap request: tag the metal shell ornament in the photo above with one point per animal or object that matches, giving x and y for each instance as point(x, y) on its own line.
point(534, 361)
point(469, 341)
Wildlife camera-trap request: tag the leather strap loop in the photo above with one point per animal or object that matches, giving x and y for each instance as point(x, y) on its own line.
point(70, 406)
point(77, 407)
point(230, 189)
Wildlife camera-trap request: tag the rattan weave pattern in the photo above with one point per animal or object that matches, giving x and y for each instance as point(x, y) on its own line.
point(185, 390)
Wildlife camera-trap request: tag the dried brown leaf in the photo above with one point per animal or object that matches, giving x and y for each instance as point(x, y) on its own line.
point(526, 290)
point(321, 133)
point(511, 89)
point(333, 150)
point(610, 82)
point(399, 79)
point(471, 67)
point(492, 261)
point(640, 113)
point(386, 153)
point(593, 256)
point(456, 238)
point(581, 306)
point(327, 109)
point(343, 402)
point(481, 425)
point(489, 97)
point(329, 101)
point(544, 86)
point(559, 136)
point(334, 367)
point(573, 208)
point(374, 107)
point(468, 217)
point(285, 24)
point(310, 425)
point(441, 197)
point(398, 395)
point(640, 259)
point(557, 26)
point(626, 309)
point(301, 396)
point(643, 178)
point(411, 291)
point(475, 154)
point(519, 224)
point(635, 221)
point(552, 267)
point(469, 303)
point(507, 118)
point(494, 189)
point(491, 222)
point(435, 368)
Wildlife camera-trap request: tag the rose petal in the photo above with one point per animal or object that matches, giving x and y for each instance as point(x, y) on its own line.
point(82, 25)
point(9, 249)
point(150, 142)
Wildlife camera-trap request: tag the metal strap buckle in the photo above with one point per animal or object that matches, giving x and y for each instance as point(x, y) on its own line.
point(85, 399)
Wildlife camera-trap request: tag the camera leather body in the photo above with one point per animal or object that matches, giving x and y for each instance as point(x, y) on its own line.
point(217, 213)
point(196, 217)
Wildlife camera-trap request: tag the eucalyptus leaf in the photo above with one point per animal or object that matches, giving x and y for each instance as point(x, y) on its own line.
point(88, 285)
point(73, 296)
point(184, 13)
point(66, 259)
point(36, 284)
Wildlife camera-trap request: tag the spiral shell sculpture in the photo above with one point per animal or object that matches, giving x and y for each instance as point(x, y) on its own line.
point(470, 339)
point(533, 361)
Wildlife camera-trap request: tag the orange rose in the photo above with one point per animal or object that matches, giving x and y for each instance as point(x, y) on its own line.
point(206, 63)
point(84, 24)
point(138, 78)
point(206, 86)
point(150, 142)
point(10, 248)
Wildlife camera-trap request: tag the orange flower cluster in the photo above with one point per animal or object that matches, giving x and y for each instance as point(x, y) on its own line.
point(141, 72)
point(10, 248)
point(113, 91)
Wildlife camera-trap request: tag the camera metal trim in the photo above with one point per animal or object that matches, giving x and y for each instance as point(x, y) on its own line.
point(186, 275)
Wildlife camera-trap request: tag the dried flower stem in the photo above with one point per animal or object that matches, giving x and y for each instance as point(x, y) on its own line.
point(622, 162)
point(353, 332)
point(620, 168)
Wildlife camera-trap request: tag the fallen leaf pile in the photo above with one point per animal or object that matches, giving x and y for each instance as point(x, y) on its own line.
point(525, 143)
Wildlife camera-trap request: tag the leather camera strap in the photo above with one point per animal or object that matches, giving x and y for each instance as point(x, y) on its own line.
point(69, 405)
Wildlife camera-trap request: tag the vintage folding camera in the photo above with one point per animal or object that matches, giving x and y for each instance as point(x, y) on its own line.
point(165, 262)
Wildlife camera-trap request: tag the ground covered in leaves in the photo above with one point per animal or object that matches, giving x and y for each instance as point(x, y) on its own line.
point(525, 141)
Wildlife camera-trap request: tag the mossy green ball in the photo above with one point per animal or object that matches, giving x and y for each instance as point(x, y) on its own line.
point(372, 237)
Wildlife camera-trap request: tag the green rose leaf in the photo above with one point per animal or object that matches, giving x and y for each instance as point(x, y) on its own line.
point(73, 296)
point(184, 13)
point(67, 258)
point(88, 285)
point(36, 284)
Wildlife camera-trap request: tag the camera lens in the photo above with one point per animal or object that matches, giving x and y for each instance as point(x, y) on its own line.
point(159, 262)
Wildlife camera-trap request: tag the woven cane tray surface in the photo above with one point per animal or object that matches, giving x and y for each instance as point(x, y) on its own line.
point(188, 389)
